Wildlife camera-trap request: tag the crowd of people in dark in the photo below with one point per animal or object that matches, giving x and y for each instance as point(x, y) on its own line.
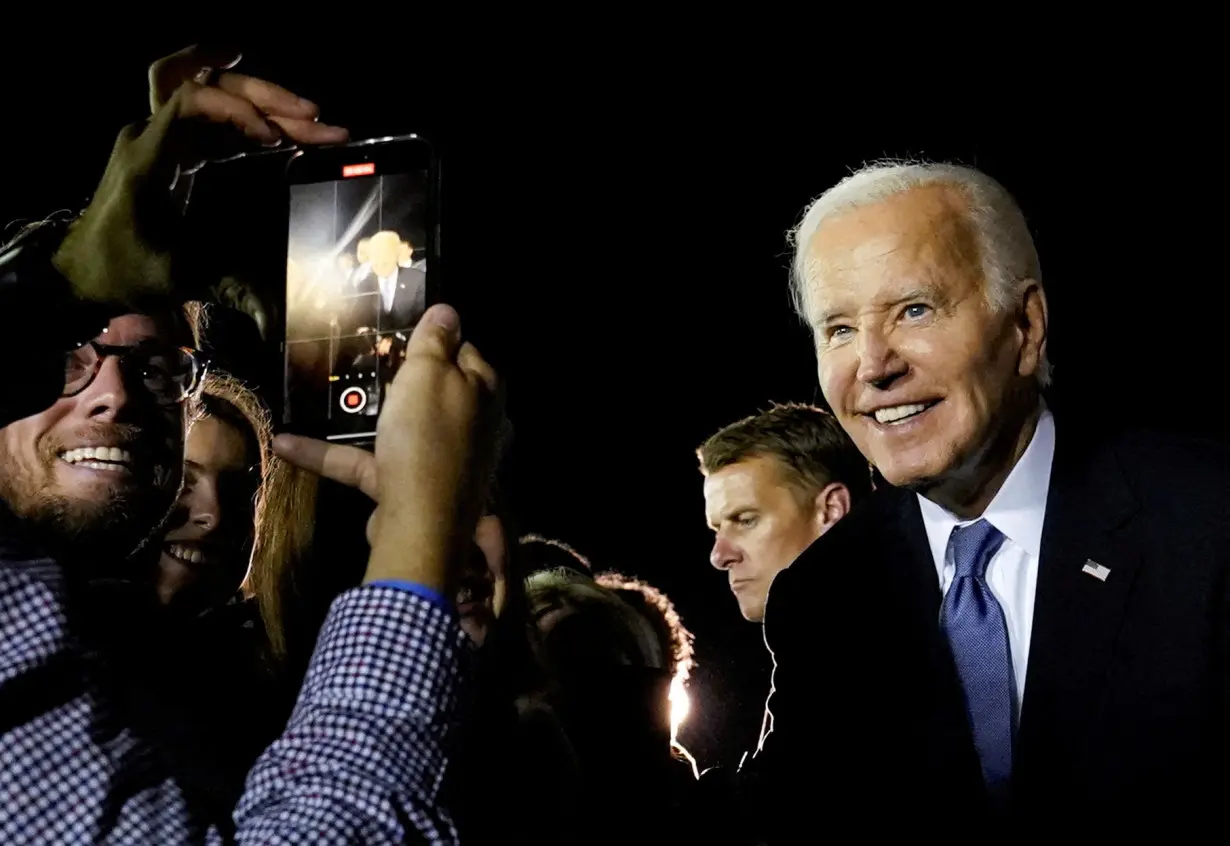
point(191, 650)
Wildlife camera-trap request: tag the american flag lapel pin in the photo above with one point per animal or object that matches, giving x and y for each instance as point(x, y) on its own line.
point(1095, 569)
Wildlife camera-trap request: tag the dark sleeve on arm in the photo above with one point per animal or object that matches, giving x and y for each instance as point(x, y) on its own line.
point(776, 786)
point(39, 321)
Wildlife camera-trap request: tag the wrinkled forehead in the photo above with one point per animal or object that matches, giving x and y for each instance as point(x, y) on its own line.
point(918, 238)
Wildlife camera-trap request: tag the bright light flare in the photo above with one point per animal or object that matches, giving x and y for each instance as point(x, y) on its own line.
point(680, 705)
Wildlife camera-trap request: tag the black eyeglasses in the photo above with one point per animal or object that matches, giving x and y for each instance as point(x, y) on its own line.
point(170, 374)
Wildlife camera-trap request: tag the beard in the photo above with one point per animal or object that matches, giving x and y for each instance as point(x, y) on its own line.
point(111, 525)
point(117, 527)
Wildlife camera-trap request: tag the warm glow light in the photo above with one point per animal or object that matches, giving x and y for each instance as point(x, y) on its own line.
point(680, 705)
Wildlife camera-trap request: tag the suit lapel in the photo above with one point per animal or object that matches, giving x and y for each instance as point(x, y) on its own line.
point(910, 549)
point(1089, 562)
point(933, 690)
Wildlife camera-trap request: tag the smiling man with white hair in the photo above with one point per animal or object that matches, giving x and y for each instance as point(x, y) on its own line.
point(1029, 622)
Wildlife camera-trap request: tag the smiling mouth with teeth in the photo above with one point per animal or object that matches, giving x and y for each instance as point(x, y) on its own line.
point(113, 459)
point(899, 414)
point(186, 553)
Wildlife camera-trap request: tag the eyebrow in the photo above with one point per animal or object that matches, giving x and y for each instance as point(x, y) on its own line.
point(919, 293)
point(729, 513)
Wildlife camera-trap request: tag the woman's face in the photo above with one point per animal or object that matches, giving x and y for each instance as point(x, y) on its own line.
point(209, 540)
point(480, 599)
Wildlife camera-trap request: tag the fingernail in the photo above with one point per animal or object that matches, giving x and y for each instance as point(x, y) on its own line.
point(307, 109)
point(265, 133)
point(445, 316)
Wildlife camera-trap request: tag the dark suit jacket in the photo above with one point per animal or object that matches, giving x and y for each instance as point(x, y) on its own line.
point(1126, 709)
point(409, 301)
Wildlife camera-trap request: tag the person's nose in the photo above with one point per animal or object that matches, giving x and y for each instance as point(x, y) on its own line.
point(203, 505)
point(878, 362)
point(108, 396)
point(724, 554)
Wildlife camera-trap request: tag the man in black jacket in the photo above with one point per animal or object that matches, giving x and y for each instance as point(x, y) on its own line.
point(1028, 625)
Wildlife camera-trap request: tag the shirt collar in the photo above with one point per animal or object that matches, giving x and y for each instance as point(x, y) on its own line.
point(1018, 509)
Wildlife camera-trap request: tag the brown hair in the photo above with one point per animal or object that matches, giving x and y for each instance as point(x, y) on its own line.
point(285, 506)
point(623, 631)
point(283, 511)
point(286, 536)
point(660, 611)
point(539, 553)
point(811, 447)
point(225, 398)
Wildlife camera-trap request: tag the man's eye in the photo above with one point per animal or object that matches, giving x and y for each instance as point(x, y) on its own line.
point(914, 311)
point(745, 520)
point(836, 333)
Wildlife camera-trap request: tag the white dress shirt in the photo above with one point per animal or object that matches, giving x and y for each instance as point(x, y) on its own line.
point(388, 289)
point(1017, 511)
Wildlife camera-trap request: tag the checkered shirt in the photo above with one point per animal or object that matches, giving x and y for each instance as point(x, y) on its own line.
point(361, 761)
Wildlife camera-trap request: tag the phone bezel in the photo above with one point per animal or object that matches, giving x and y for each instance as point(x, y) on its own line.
point(390, 155)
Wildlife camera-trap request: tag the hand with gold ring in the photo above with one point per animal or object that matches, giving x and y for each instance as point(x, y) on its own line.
point(134, 221)
point(262, 111)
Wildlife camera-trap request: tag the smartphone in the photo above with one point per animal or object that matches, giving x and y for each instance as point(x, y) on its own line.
point(361, 268)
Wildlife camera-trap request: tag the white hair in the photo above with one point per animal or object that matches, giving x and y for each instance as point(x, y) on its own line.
point(1006, 248)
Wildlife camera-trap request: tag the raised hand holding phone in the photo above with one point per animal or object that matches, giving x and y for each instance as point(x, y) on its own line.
point(133, 222)
point(434, 446)
point(258, 109)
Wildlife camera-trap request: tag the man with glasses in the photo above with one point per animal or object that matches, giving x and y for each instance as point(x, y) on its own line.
point(91, 433)
point(100, 467)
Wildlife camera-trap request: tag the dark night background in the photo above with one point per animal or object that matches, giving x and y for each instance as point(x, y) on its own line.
point(614, 235)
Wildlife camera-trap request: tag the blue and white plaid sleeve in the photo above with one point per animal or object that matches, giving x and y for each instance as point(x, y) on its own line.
point(363, 758)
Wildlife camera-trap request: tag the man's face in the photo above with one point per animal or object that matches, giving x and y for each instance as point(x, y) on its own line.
point(760, 526)
point(103, 465)
point(383, 251)
point(917, 367)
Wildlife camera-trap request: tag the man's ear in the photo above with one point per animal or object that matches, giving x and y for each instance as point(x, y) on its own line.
point(1032, 327)
point(832, 503)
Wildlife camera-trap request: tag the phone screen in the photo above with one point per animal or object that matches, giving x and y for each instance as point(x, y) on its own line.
point(359, 256)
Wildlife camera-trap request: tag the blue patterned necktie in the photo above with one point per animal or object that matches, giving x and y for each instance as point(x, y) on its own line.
point(974, 623)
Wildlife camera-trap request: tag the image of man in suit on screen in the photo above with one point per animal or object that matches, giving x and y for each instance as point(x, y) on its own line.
point(389, 293)
point(1026, 629)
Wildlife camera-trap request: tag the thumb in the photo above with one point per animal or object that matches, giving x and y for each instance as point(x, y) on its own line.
point(437, 335)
